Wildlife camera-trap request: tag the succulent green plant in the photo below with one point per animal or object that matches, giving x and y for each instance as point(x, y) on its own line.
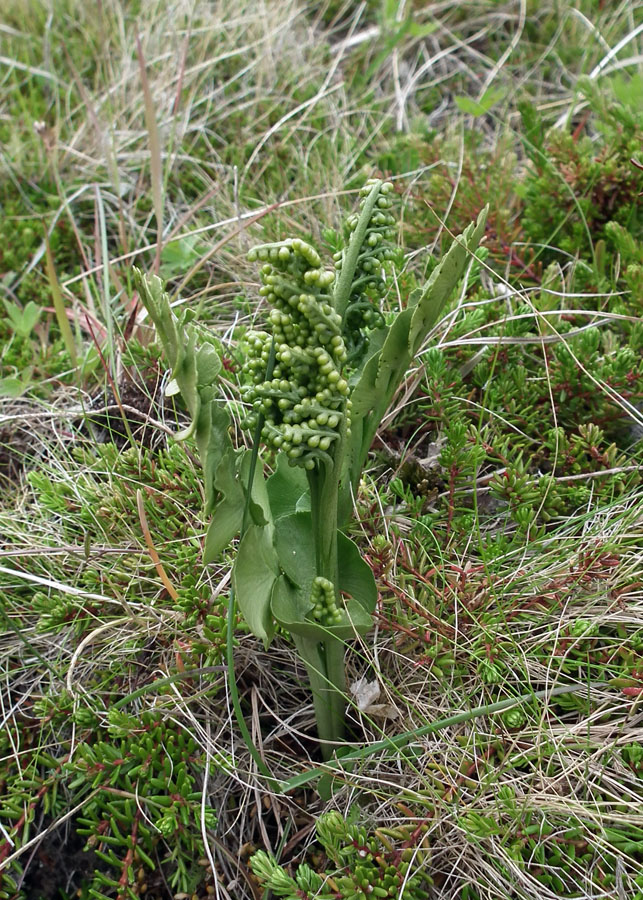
point(142, 807)
point(581, 190)
point(360, 866)
point(319, 380)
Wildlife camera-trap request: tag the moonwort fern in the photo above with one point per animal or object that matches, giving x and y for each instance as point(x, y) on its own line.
point(320, 378)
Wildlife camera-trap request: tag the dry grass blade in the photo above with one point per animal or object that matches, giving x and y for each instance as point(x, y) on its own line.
point(156, 171)
point(152, 549)
point(59, 303)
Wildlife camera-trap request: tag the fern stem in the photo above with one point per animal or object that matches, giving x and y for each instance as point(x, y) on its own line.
point(399, 741)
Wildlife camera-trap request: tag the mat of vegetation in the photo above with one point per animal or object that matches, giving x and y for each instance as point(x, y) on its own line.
point(151, 746)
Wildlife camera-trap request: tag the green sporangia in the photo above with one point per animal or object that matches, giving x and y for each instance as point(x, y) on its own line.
point(318, 380)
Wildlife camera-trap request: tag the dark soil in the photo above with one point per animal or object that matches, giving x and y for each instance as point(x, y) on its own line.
point(138, 407)
point(14, 449)
point(59, 865)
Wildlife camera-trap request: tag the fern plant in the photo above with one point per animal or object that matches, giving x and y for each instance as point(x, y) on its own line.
point(320, 379)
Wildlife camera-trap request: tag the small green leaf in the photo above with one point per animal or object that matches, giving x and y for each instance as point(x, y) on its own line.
point(289, 604)
point(255, 573)
point(23, 319)
point(287, 489)
point(30, 316)
point(224, 526)
point(469, 106)
point(259, 500)
point(213, 441)
point(11, 387)
point(178, 256)
point(226, 479)
point(208, 365)
point(14, 312)
point(355, 575)
point(481, 106)
point(295, 549)
point(325, 788)
point(230, 481)
point(227, 519)
point(418, 30)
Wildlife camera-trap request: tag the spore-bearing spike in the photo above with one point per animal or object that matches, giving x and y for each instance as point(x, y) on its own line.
point(309, 354)
point(325, 610)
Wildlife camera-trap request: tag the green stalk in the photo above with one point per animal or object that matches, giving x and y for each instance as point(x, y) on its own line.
point(325, 660)
point(323, 503)
point(334, 652)
point(328, 693)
